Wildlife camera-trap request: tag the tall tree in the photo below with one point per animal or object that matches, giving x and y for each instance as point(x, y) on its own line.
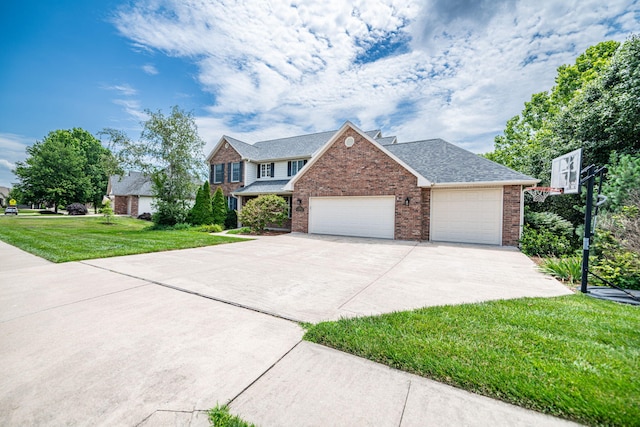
point(531, 139)
point(170, 152)
point(66, 166)
point(219, 207)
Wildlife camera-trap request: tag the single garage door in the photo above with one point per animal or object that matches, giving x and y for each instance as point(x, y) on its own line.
point(353, 216)
point(467, 215)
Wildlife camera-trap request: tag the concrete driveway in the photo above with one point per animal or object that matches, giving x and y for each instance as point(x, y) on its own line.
point(314, 278)
point(149, 340)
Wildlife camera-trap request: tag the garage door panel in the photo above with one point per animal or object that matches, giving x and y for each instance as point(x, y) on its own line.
point(467, 215)
point(353, 216)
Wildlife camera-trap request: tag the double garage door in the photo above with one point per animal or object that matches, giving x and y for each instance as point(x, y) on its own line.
point(457, 215)
point(353, 216)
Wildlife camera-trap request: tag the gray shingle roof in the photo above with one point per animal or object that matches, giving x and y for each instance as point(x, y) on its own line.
point(264, 187)
point(133, 184)
point(247, 151)
point(301, 146)
point(442, 162)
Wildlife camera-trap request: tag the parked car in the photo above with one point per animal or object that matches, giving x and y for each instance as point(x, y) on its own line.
point(11, 210)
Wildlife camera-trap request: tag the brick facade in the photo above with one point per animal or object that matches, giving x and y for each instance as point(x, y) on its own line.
point(426, 213)
point(121, 205)
point(361, 170)
point(511, 214)
point(226, 154)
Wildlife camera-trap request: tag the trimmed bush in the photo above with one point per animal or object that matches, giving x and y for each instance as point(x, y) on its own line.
point(231, 221)
point(264, 210)
point(201, 212)
point(219, 207)
point(549, 221)
point(210, 228)
point(77, 209)
point(544, 243)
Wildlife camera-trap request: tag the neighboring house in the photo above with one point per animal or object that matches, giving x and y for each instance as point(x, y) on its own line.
point(354, 183)
point(4, 196)
point(130, 194)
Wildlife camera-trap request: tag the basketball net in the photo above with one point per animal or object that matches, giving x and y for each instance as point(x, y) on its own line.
point(540, 194)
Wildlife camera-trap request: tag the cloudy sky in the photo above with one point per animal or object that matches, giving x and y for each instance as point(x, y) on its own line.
point(454, 69)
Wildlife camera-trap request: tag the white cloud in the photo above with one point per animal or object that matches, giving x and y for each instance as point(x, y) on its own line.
point(150, 69)
point(13, 148)
point(284, 68)
point(4, 163)
point(133, 108)
point(124, 89)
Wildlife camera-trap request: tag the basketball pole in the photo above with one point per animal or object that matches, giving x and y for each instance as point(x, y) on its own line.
point(589, 180)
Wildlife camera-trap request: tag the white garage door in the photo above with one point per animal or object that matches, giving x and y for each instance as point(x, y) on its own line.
point(353, 216)
point(467, 215)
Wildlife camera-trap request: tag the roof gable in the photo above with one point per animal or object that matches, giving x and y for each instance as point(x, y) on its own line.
point(422, 182)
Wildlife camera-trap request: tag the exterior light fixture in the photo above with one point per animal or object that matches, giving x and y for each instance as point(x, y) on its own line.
point(407, 200)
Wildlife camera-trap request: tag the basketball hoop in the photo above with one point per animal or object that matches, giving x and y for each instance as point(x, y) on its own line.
point(540, 194)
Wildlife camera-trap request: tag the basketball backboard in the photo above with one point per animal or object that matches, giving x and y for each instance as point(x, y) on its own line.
point(565, 172)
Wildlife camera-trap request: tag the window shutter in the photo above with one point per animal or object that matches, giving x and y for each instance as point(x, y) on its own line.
point(258, 167)
point(304, 162)
point(289, 168)
point(273, 170)
point(222, 166)
point(211, 172)
point(241, 167)
point(228, 172)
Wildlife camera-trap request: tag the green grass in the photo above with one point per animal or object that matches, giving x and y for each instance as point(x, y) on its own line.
point(220, 417)
point(242, 230)
point(63, 239)
point(574, 357)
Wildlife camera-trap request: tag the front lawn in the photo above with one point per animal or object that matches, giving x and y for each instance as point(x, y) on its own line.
point(574, 357)
point(63, 239)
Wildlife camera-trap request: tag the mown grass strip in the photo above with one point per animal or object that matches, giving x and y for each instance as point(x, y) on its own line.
point(574, 357)
point(63, 239)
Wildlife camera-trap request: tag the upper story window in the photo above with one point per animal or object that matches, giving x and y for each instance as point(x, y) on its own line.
point(294, 166)
point(266, 170)
point(235, 172)
point(217, 173)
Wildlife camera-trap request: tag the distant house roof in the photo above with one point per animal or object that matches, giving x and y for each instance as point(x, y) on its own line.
point(4, 191)
point(442, 163)
point(131, 184)
point(263, 187)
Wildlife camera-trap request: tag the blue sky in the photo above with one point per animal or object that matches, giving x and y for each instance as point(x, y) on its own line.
point(454, 69)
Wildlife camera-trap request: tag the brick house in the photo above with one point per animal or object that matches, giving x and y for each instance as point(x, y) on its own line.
point(354, 183)
point(130, 194)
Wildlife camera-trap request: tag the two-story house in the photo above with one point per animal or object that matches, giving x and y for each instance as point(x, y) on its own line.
point(355, 183)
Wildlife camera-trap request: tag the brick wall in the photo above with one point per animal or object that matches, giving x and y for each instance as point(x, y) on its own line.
point(226, 154)
point(511, 214)
point(134, 206)
point(361, 170)
point(426, 212)
point(120, 205)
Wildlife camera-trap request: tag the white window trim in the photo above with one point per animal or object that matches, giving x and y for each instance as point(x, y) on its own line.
point(235, 177)
point(265, 170)
point(215, 173)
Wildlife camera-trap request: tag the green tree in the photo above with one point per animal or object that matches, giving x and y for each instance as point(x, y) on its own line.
point(107, 211)
point(170, 152)
point(605, 116)
point(531, 139)
point(219, 207)
point(622, 178)
point(66, 166)
point(202, 213)
point(263, 210)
